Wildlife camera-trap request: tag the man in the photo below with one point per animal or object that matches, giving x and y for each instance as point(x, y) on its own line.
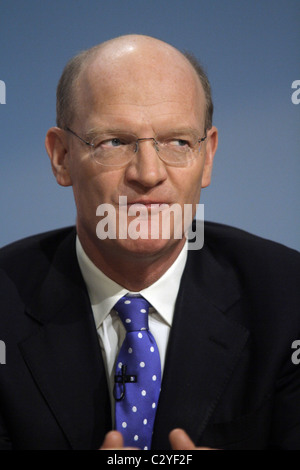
point(134, 120)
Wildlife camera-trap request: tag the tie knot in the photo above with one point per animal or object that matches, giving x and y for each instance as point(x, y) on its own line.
point(133, 311)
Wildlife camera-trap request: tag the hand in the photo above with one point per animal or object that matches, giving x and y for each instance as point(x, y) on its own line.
point(114, 441)
point(181, 441)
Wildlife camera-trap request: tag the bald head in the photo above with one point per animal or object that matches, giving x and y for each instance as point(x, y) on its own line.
point(134, 61)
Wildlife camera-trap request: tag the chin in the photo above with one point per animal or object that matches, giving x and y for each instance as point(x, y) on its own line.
point(146, 247)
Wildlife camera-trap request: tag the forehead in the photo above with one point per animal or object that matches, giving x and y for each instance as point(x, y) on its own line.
point(143, 85)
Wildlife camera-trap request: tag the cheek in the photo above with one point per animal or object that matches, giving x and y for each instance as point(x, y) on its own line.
point(195, 179)
point(95, 184)
point(188, 183)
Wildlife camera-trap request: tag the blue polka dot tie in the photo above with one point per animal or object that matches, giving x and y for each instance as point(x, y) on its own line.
point(138, 374)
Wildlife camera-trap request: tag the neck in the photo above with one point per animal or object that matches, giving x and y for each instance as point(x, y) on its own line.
point(133, 270)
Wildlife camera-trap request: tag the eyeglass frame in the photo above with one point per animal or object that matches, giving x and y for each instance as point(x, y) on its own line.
point(90, 144)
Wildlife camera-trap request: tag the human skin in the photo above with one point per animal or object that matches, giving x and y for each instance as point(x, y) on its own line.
point(179, 440)
point(143, 86)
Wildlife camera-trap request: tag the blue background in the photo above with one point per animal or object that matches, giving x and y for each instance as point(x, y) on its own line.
point(250, 50)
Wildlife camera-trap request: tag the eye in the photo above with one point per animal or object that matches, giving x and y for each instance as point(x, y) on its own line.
point(115, 142)
point(105, 143)
point(181, 143)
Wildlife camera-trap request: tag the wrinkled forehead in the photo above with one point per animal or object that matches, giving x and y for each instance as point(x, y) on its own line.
point(147, 76)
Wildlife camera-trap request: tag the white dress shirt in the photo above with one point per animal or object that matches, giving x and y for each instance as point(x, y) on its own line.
point(104, 293)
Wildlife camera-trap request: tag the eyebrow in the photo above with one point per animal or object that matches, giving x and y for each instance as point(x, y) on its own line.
point(103, 130)
point(95, 131)
point(181, 130)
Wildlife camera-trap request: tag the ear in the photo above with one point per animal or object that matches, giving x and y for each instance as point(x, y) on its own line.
point(56, 144)
point(210, 150)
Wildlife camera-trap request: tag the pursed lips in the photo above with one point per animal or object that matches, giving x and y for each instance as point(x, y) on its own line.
point(152, 206)
point(148, 204)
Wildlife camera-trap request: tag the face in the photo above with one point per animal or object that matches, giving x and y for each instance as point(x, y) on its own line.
point(145, 100)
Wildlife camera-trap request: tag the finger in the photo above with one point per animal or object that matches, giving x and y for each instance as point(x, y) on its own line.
point(180, 440)
point(113, 440)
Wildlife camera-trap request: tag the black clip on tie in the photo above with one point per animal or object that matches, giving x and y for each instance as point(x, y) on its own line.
point(123, 379)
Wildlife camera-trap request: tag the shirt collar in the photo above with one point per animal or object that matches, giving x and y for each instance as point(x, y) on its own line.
point(104, 293)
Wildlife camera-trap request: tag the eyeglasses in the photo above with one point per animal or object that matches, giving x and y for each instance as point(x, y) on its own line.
point(118, 149)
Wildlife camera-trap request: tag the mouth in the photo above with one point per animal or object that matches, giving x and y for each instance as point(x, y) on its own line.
point(123, 202)
point(151, 206)
point(147, 203)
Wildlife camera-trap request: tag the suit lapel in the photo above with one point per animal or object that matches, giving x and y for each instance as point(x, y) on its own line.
point(64, 355)
point(65, 360)
point(204, 347)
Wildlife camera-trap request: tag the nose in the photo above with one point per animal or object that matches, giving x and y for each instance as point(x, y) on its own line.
point(146, 168)
point(142, 139)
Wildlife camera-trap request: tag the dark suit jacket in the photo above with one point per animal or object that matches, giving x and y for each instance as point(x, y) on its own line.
point(229, 380)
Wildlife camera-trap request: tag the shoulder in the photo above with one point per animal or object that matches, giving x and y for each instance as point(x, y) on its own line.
point(258, 263)
point(36, 241)
point(238, 243)
point(32, 254)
